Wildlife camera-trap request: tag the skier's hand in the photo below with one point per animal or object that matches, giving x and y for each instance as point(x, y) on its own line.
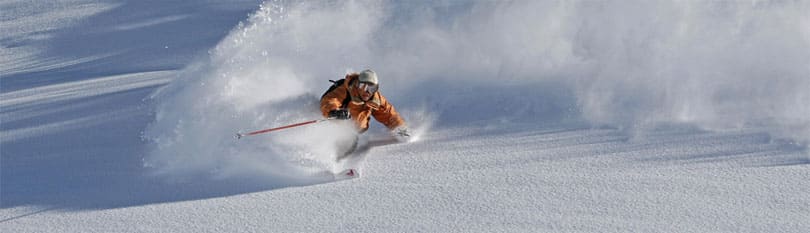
point(340, 114)
point(402, 134)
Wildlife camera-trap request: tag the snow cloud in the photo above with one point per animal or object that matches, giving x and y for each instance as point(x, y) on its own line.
point(717, 65)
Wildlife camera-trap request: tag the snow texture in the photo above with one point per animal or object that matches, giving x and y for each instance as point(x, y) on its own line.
point(528, 116)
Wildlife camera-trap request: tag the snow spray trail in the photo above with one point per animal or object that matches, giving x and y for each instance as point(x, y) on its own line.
point(268, 72)
point(713, 64)
point(716, 65)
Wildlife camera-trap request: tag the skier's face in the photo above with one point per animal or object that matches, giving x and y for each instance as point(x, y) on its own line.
point(365, 95)
point(366, 90)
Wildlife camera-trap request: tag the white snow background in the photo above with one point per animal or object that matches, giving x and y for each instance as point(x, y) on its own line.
point(531, 116)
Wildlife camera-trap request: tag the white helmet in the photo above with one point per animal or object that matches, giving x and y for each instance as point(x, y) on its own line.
point(368, 76)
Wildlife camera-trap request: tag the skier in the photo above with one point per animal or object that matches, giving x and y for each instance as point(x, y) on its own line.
point(357, 97)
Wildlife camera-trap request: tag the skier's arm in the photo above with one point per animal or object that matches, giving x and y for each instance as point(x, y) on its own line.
point(332, 100)
point(387, 114)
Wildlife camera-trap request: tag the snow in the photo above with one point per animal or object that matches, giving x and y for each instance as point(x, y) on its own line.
point(535, 116)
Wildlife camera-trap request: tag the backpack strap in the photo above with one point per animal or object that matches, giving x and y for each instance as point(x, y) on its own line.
point(335, 85)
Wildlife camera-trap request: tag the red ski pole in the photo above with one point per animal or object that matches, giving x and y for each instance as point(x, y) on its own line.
point(240, 135)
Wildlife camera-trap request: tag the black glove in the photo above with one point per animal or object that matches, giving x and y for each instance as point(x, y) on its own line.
point(402, 134)
point(340, 114)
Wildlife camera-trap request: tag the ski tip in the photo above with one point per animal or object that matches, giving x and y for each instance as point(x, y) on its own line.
point(351, 172)
point(347, 174)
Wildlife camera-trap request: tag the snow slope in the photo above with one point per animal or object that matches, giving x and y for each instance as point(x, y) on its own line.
point(535, 116)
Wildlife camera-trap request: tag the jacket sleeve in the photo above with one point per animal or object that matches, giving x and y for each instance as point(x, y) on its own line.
point(387, 114)
point(332, 100)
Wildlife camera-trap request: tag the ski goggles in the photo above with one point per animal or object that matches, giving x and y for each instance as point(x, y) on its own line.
point(367, 87)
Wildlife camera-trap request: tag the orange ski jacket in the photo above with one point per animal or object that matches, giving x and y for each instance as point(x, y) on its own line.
point(361, 111)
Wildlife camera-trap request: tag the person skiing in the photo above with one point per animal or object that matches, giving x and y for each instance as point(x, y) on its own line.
point(357, 98)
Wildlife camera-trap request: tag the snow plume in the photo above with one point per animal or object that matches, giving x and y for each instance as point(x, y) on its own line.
point(268, 72)
point(717, 65)
point(632, 65)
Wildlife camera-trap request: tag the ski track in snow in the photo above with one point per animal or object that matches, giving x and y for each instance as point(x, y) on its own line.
point(74, 107)
point(514, 178)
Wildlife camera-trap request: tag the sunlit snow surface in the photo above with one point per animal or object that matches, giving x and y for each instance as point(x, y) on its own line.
point(528, 116)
